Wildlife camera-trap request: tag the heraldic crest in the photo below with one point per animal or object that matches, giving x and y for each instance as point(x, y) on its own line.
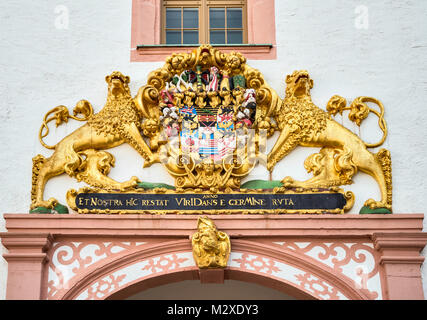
point(206, 117)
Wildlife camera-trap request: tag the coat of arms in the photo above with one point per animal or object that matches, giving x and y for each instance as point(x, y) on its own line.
point(206, 116)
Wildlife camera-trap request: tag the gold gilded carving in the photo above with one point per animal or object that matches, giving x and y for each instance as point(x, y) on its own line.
point(172, 82)
point(206, 116)
point(330, 167)
point(211, 248)
point(95, 169)
point(230, 64)
point(214, 99)
point(117, 123)
point(302, 123)
point(359, 111)
point(61, 114)
point(208, 175)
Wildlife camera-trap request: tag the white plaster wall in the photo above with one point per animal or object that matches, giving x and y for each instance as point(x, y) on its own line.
point(43, 66)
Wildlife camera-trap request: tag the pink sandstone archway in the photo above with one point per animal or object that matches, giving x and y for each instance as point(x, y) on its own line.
point(305, 256)
point(172, 261)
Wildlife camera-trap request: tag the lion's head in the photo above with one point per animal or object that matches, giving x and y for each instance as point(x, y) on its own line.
point(118, 85)
point(119, 108)
point(298, 84)
point(208, 167)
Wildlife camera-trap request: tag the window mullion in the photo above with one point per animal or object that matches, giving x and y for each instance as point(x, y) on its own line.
point(226, 24)
point(182, 25)
point(245, 22)
point(204, 24)
point(201, 19)
point(163, 23)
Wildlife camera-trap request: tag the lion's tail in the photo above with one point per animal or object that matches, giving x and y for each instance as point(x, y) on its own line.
point(359, 111)
point(384, 159)
point(60, 114)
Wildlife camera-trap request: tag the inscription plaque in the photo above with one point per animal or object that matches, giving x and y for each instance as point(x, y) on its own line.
point(207, 202)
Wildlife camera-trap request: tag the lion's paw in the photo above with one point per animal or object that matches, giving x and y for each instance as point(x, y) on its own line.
point(372, 204)
point(49, 204)
point(133, 182)
point(288, 182)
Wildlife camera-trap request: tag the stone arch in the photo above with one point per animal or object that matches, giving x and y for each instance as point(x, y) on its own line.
point(249, 261)
point(193, 274)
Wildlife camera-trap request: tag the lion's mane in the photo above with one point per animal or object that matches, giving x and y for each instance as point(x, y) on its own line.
point(116, 113)
point(303, 118)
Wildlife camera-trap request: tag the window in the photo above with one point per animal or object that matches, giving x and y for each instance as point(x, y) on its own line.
point(204, 21)
point(247, 26)
point(182, 25)
point(225, 25)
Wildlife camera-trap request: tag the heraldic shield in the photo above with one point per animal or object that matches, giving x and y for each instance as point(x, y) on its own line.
point(206, 116)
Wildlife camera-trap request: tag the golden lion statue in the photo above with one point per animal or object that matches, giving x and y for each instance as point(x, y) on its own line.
point(78, 154)
point(301, 123)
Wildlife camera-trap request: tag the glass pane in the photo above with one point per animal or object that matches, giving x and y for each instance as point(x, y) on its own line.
point(191, 18)
point(191, 37)
point(235, 37)
point(173, 18)
point(217, 37)
point(234, 17)
point(216, 17)
point(173, 37)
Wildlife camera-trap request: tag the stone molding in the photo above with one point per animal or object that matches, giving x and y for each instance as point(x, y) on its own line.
point(310, 256)
point(236, 225)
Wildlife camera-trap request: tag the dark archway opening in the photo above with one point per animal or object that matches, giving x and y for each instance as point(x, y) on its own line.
point(185, 285)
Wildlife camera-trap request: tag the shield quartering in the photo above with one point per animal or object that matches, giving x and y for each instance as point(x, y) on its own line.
point(204, 108)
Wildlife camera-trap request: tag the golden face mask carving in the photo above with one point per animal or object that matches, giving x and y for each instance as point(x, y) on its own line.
point(211, 248)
